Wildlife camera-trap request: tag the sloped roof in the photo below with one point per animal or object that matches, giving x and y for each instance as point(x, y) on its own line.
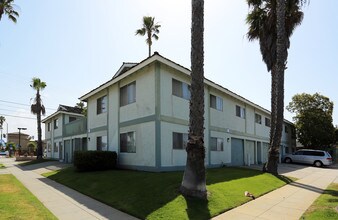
point(70, 109)
point(157, 57)
point(65, 110)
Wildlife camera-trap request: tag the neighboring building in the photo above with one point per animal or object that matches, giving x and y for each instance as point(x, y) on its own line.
point(142, 113)
point(24, 140)
point(65, 132)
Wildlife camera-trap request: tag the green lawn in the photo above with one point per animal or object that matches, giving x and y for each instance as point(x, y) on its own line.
point(326, 206)
point(16, 202)
point(2, 166)
point(155, 195)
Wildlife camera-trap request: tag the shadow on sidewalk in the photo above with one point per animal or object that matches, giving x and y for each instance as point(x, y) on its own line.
point(48, 166)
point(308, 187)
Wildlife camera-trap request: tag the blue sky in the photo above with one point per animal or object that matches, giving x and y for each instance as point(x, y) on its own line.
point(76, 45)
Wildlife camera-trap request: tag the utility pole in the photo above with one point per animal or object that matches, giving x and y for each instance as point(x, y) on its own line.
point(20, 136)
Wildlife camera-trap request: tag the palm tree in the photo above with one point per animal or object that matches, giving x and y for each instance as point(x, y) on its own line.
point(193, 183)
point(273, 26)
point(2, 120)
point(37, 108)
point(6, 7)
point(149, 28)
point(81, 105)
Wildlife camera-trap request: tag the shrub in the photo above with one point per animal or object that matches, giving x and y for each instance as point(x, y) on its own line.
point(94, 160)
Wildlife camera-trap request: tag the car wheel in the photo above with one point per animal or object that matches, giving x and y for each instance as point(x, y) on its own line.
point(288, 160)
point(318, 163)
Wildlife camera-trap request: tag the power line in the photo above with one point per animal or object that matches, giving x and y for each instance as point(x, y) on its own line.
point(17, 103)
point(15, 116)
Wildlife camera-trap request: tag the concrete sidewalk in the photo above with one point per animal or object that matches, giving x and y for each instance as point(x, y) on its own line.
point(290, 201)
point(63, 202)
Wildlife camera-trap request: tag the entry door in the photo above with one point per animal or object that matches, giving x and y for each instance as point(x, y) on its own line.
point(250, 152)
point(265, 152)
point(60, 151)
point(237, 152)
point(68, 156)
point(259, 152)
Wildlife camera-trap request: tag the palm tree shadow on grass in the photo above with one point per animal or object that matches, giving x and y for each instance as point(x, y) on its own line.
point(197, 208)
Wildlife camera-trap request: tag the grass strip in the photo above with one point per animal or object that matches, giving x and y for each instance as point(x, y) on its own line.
point(155, 195)
point(326, 205)
point(16, 202)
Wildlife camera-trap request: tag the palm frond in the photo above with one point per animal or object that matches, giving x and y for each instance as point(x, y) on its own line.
point(141, 32)
point(43, 110)
point(34, 109)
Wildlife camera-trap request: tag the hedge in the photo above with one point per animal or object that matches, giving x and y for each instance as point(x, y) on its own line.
point(94, 160)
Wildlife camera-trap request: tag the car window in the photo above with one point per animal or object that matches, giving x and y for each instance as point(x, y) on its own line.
point(314, 153)
point(299, 153)
point(319, 153)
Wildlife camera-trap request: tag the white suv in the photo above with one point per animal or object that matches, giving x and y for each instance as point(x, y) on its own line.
point(315, 157)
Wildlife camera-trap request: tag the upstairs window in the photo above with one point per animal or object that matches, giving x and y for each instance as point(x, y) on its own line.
point(56, 123)
point(240, 112)
point(128, 94)
point(72, 118)
point(286, 129)
point(180, 141)
point(258, 119)
point(216, 102)
point(216, 144)
point(48, 126)
point(267, 122)
point(181, 89)
point(101, 105)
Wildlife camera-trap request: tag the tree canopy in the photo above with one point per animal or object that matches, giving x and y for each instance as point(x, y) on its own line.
point(8, 8)
point(313, 120)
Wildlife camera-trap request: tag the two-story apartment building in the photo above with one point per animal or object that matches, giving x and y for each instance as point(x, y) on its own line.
point(142, 113)
point(65, 132)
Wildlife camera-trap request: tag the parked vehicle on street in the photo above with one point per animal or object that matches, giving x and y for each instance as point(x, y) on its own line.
point(317, 158)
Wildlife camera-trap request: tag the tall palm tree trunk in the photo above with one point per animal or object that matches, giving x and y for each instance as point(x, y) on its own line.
point(193, 183)
point(277, 91)
point(38, 116)
point(149, 42)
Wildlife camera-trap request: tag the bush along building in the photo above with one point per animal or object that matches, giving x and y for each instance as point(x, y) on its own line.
point(142, 113)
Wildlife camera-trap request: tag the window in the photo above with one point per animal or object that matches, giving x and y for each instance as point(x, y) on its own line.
point(293, 132)
point(180, 140)
point(49, 148)
point(128, 94)
point(216, 102)
point(240, 112)
point(72, 119)
point(216, 144)
point(101, 105)
point(267, 122)
point(127, 142)
point(56, 148)
point(286, 129)
point(56, 123)
point(181, 89)
point(101, 143)
point(48, 126)
point(258, 119)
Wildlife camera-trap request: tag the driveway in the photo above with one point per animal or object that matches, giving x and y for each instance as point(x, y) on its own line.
point(298, 171)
